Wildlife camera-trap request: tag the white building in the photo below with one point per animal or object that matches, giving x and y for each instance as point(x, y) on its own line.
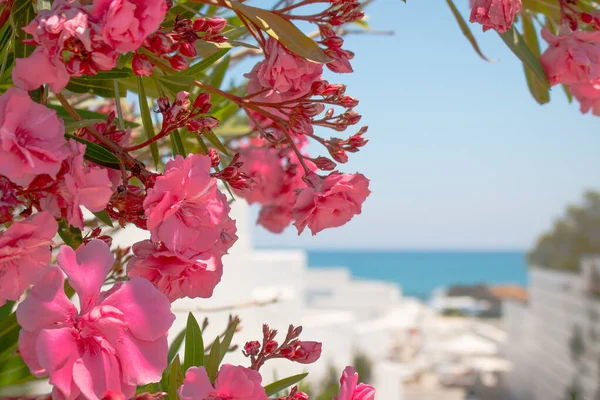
point(554, 339)
point(344, 314)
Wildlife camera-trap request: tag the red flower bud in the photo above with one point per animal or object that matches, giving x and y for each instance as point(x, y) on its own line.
point(193, 125)
point(178, 62)
point(215, 159)
point(324, 163)
point(287, 352)
point(339, 156)
point(202, 99)
point(188, 49)
point(271, 346)
point(348, 102)
point(252, 348)
point(141, 65)
point(586, 17)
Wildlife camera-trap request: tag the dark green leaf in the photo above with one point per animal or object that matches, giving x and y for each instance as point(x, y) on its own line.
point(212, 365)
point(214, 140)
point(112, 74)
point(218, 73)
point(6, 309)
point(567, 93)
point(539, 92)
point(202, 65)
point(22, 13)
point(176, 345)
point(282, 384)
point(465, 29)
point(13, 371)
point(517, 44)
point(228, 337)
point(9, 335)
point(86, 114)
point(176, 83)
point(104, 217)
point(147, 119)
point(194, 344)
point(96, 153)
point(69, 234)
point(283, 31)
point(100, 87)
point(177, 144)
point(73, 126)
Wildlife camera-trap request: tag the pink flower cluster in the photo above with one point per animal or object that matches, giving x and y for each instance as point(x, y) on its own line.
point(191, 230)
point(350, 389)
point(573, 59)
point(115, 341)
point(232, 382)
point(498, 15)
point(75, 39)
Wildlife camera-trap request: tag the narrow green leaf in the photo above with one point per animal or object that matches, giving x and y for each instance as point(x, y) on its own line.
point(227, 338)
point(285, 383)
point(214, 140)
point(194, 344)
point(73, 126)
point(283, 31)
point(147, 119)
point(103, 87)
point(96, 153)
point(212, 365)
point(176, 345)
point(567, 93)
point(6, 309)
point(196, 69)
point(22, 13)
point(175, 378)
point(104, 217)
point(465, 29)
point(218, 73)
point(69, 234)
point(9, 335)
point(177, 144)
point(539, 92)
point(86, 114)
point(516, 43)
point(13, 371)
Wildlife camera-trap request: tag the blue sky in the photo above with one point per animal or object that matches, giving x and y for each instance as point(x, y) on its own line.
point(460, 156)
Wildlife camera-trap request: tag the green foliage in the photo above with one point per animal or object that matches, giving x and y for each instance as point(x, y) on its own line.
point(194, 345)
point(282, 384)
point(575, 234)
point(363, 366)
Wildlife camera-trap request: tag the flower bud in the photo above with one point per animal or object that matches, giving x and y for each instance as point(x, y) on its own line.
point(216, 25)
point(178, 62)
point(163, 104)
point(319, 87)
point(209, 122)
point(340, 156)
point(271, 346)
point(193, 125)
point(287, 352)
point(202, 99)
point(586, 17)
point(215, 159)
point(141, 65)
point(324, 163)
point(348, 102)
point(301, 396)
point(252, 348)
point(188, 49)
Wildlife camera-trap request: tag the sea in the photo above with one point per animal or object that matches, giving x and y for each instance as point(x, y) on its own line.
point(420, 272)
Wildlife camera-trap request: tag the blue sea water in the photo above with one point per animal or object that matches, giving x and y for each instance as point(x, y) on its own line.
point(419, 272)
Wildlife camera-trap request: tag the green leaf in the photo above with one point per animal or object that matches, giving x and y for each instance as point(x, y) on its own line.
point(147, 119)
point(69, 234)
point(194, 344)
point(84, 113)
point(13, 371)
point(96, 153)
point(176, 345)
point(103, 87)
point(283, 31)
point(21, 15)
point(212, 365)
point(117, 73)
point(465, 29)
point(227, 338)
point(214, 140)
point(104, 217)
point(196, 69)
point(282, 384)
point(9, 335)
point(176, 83)
point(175, 378)
point(567, 93)
point(538, 91)
point(516, 43)
point(177, 144)
point(73, 126)
point(218, 73)
point(6, 309)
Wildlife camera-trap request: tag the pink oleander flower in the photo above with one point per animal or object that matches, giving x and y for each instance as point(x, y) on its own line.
point(127, 23)
point(232, 383)
point(264, 166)
point(25, 252)
point(350, 389)
point(335, 201)
point(8, 200)
point(187, 212)
point(275, 217)
point(307, 352)
point(495, 14)
point(285, 75)
point(588, 96)
point(175, 276)
point(78, 185)
point(117, 340)
point(38, 69)
point(571, 57)
point(32, 138)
